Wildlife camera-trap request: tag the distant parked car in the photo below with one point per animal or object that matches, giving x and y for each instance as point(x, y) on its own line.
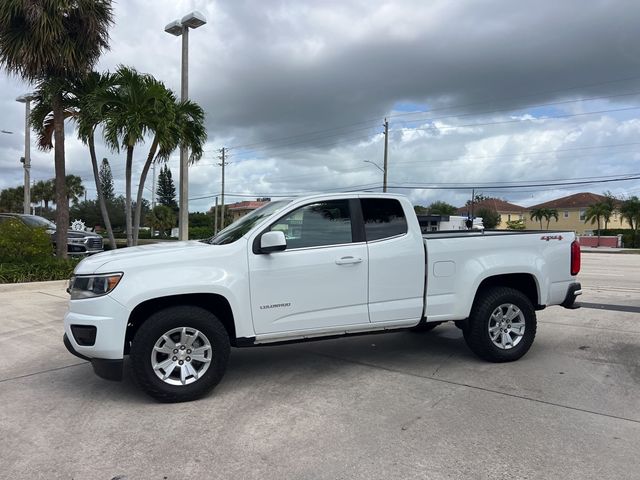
point(78, 243)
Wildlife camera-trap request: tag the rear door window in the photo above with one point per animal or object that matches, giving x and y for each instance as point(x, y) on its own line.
point(383, 218)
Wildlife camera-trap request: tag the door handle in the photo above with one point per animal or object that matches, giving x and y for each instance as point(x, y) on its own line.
point(348, 260)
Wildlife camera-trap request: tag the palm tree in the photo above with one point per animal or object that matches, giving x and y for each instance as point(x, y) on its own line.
point(43, 191)
point(182, 125)
point(610, 202)
point(549, 214)
point(11, 199)
point(538, 214)
point(162, 218)
point(129, 109)
point(630, 211)
point(75, 189)
point(595, 214)
point(55, 40)
point(80, 105)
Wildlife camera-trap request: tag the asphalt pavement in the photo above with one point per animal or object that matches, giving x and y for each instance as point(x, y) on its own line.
point(400, 405)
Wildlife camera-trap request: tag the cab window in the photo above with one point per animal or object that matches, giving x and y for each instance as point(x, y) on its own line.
point(383, 218)
point(317, 224)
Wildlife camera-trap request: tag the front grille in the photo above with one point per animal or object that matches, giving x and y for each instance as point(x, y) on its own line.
point(94, 244)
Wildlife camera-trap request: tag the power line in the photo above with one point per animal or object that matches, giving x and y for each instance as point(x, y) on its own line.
point(529, 185)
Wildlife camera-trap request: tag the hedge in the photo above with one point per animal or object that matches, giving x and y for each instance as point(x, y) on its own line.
point(627, 235)
point(49, 269)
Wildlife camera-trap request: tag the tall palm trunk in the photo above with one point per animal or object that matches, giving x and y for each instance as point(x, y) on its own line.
point(101, 202)
point(62, 209)
point(143, 177)
point(128, 196)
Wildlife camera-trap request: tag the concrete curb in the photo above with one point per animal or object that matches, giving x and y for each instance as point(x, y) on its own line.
point(609, 250)
point(32, 286)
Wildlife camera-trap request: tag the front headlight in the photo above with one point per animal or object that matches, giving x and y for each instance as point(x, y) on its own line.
point(89, 286)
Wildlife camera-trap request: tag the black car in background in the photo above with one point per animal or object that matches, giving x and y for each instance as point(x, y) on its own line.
point(78, 243)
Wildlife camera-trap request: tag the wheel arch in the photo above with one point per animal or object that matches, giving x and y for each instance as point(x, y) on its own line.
point(523, 282)
point(214, 303)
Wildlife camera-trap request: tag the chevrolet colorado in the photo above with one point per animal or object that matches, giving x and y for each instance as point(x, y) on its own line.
point(306, 268)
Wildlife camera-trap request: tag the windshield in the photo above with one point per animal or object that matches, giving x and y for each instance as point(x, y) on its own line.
point(36, 221)
point(241, 226)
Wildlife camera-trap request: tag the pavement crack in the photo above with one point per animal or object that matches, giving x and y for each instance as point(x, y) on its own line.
point(433, 374)
point(64, 297)
point(41, 372)
point(475, 387)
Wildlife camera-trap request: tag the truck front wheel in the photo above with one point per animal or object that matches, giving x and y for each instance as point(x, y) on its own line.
point(180, 353)
point(502, 325)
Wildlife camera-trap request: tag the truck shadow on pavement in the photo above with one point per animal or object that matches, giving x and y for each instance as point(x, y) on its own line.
point(311, 362)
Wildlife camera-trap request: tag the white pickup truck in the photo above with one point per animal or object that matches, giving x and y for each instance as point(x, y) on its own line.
point(307, 268)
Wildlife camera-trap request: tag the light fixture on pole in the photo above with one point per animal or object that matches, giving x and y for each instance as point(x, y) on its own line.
point(181, 28)
point(384, 173)
point(26, 160)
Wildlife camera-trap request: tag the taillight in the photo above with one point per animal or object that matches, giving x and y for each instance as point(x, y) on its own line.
point(575, 257)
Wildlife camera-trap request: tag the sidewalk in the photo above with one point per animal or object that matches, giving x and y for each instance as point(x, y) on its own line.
point(608, 250)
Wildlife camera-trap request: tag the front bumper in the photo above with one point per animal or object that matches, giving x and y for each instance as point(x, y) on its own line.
point(104, 368)
point(108, 316)
point(105, 349)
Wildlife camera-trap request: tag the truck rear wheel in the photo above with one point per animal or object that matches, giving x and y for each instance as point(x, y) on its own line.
point(502, 325)
point(180, 353)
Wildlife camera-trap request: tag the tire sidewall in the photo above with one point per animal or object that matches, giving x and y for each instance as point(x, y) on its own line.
point(163, 321)
point(477, 332)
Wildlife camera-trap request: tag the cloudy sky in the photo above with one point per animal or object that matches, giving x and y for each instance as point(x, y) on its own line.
point(476, 93)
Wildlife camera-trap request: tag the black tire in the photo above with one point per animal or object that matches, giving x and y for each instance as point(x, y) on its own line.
point(424, 327)
point(477, 336)
point(152, 330)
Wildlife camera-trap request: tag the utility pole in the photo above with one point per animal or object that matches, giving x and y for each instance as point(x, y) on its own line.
point(473, 199)
point(222, 163)
point(153, 189)
point(215, 218)
point(386, 148)
point(153, 194)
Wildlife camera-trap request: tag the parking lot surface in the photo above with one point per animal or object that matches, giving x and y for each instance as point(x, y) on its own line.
point(400, 405)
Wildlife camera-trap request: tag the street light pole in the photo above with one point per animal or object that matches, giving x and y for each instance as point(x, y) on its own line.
point(181, 28)
point(26, 99)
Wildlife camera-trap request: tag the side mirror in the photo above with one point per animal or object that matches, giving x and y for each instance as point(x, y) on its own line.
point(272, 242)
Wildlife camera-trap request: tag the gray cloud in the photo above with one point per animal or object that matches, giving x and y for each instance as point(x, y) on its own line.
point(273, 70)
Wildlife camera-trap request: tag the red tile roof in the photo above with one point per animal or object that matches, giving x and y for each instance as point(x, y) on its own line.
point(496, 204)
point(577, 200)
point(247, 205)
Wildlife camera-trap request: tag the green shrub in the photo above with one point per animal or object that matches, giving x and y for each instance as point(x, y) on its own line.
point(48, 269)
point(20, 243)
point(198, 233)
